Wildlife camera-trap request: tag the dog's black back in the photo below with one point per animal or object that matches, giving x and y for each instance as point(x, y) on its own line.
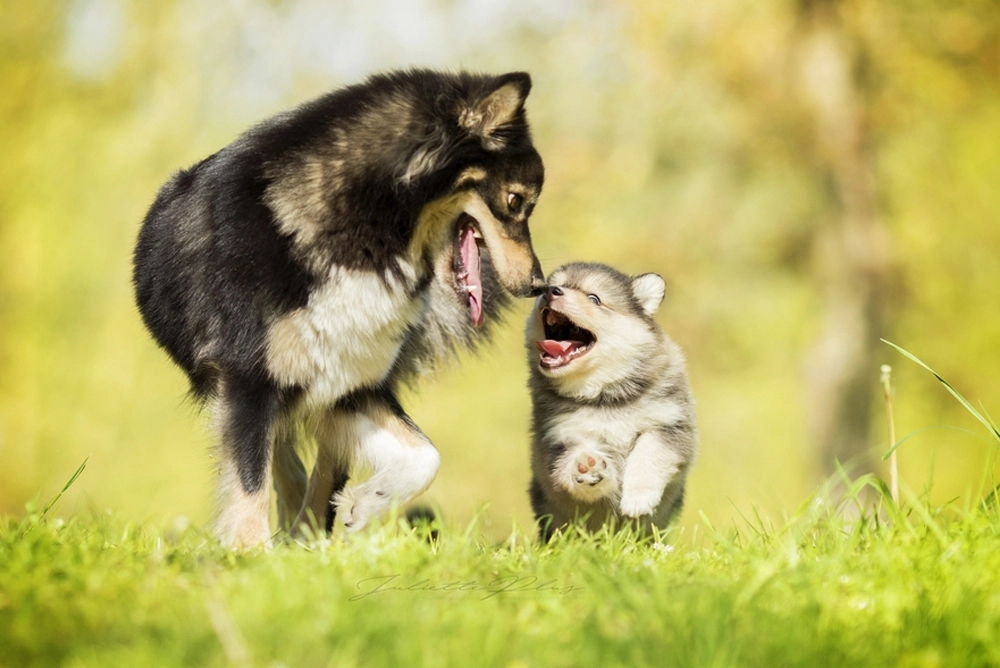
point(208, 257)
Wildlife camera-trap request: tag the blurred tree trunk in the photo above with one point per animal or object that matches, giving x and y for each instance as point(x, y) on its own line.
point(852, 249)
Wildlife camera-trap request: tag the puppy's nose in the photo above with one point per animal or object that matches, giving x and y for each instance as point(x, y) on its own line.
point(553, 291)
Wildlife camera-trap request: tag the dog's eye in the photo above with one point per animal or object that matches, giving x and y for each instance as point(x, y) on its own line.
point(514, 202)
point(595, 299)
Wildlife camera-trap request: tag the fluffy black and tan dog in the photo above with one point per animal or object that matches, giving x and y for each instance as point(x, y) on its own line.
point(328, 254)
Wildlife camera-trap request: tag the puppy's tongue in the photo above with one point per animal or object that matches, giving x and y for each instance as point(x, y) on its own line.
point(556, 348)
point(473, 284)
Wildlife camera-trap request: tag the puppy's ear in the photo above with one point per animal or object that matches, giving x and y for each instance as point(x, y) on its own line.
point(499, 107)
point(648, 290)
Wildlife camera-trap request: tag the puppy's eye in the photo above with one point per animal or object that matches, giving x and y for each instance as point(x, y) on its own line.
point(514, 202)
point(595, 299)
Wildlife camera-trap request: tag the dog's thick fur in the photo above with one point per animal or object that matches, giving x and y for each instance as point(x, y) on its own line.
point(301, 273)
point(614, 432)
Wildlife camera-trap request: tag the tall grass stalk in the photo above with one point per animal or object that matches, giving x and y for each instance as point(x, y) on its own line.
point(982, 416)
point(886, 380)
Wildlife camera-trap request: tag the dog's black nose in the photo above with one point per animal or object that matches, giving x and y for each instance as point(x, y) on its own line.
point(537, 282)
point(556, 291)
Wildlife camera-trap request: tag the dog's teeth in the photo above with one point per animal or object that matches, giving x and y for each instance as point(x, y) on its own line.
point(471, 288)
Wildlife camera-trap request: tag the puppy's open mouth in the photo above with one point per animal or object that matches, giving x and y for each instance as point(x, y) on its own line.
point(564, 340)
point(468, 278)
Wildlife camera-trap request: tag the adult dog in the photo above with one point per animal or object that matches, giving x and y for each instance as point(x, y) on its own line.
point(331, 252)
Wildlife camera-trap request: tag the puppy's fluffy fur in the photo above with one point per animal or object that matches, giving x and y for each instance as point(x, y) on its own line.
point(614, 431)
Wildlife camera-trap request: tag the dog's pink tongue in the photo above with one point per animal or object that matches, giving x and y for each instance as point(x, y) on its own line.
point(469, 253)
point(556, 348)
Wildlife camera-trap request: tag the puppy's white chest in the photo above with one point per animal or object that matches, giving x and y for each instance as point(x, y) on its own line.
point(613, 428)
point(347, 336)
point(589, 425)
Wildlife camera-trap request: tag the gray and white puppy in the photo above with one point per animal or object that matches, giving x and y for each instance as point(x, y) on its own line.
point(614, 432)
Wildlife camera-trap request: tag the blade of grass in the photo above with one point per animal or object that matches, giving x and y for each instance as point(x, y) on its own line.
point(920, 508)
point(68, 484)
point(893, 464)
point(968, 406)
point(760, 533)
point(923, 429)
point(989, 417)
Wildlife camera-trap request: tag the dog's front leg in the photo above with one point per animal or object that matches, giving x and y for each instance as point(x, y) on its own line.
point(403, 460)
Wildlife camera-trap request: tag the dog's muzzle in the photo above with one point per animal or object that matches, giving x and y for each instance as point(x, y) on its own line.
point(536, 282)
point(538, 286)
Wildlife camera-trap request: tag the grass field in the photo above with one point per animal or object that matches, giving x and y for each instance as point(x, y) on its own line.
point(862, 580)
point(907, 586)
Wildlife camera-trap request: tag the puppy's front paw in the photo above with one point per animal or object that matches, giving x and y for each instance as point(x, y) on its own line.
point(355, 506)
point(588, 476)
point(640, 501)
point(589, 469)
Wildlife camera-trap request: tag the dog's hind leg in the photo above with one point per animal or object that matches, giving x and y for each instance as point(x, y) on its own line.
point(248, 408)
point(337, 440)
point(403, 460)
point(290, 479)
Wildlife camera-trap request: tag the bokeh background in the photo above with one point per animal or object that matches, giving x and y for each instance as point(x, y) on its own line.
point(808, 176)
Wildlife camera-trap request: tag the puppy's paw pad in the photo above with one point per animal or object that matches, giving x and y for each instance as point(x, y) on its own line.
point(639, 502)
point(589, 468)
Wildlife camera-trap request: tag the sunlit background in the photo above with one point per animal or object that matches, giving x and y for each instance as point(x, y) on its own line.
point(809, 177)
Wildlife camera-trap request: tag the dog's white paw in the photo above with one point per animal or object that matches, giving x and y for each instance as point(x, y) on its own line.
point(640, 501)
point(355, 506)
point(589, 469)
point(588, 476)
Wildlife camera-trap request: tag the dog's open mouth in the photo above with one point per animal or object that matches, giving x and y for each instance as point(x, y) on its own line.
point(564, 340)
point(467, 269)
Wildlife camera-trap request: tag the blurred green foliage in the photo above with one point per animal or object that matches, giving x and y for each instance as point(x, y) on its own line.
point(676, 140)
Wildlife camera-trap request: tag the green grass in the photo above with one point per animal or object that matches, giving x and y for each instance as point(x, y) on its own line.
point(914, 586)
point(860, 581)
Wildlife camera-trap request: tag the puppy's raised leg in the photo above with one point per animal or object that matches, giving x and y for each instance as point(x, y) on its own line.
point(403, 460)
point(649, 468)
point(587, 472)
point(247, 410)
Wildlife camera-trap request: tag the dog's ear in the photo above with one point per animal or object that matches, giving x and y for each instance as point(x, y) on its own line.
point(426, 157)
point(501, 105)
point(649, 290)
